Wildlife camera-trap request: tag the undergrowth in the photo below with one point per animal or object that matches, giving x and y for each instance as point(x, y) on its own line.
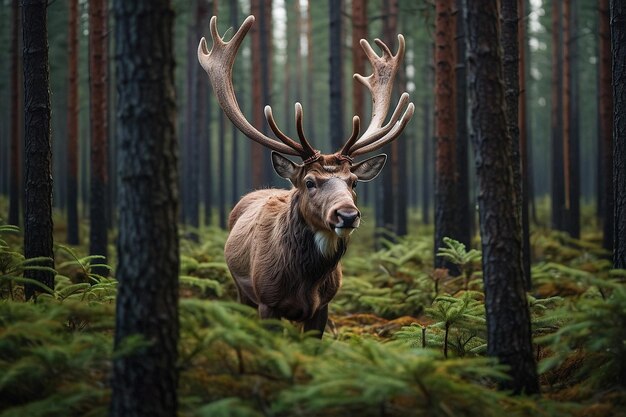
point(403, 338)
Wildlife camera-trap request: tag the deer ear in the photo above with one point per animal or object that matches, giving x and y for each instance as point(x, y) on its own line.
point(370, 168)
point(283, 166)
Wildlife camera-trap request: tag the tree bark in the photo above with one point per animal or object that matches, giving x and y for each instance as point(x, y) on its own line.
point(335, 49)
point(618, 36)
point(446, 184)
point(606, 123)
point(72, 128)
point(16, 131)
point(257, 153)
point(310, 119)
point(427, 152)
point(572, 173)
point(38, 240)
point(464, 215)
point(558, 195)
point(144, 381)
point(99, 112)
point(508, 318)
point(524, 129)
point(235, 191)
point(510, 46)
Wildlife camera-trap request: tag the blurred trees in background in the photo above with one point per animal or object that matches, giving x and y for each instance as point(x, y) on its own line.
point(288, 60)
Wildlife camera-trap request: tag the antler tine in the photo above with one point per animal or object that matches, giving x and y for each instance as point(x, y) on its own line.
point(380, 85)
point(218, 64)
point(390, 137)
point(279, 134)
point(309, 152)
point(356, 127)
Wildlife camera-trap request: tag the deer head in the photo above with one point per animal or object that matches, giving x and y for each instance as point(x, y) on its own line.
point(325, 182)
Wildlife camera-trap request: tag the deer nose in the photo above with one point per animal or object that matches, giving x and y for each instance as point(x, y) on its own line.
point(347, 217)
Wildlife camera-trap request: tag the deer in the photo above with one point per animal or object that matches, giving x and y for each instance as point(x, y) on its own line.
point(284, 246)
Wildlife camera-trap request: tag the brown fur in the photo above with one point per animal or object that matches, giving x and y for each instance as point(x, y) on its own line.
point(272, 251)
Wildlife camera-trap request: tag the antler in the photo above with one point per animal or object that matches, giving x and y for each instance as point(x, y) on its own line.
point(218, 64)
point(380, 84)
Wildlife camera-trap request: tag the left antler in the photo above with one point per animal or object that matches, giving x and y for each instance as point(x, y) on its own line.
point(380, 84)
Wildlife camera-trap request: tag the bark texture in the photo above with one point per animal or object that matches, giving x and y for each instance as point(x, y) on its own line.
point(445, 130)
point(508, 318)
point(335, 49)
point(144, 382)
point(16, 131)
point(72, 128)
point(38, 147)
point(618, 36)
point(99, 113)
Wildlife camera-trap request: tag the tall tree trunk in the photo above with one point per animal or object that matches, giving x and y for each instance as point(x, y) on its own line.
point(524, 129)
point(445, 126)
point(359, 31)
point(267, 58)
point(335, 48)
point(310, 108)
point(257, 153)
point(618, 36)
point(38, 226)
point(221, 171)
point(464, 215)
point(72, 128)
point(508, 317)
point(572, 157)
point(16, 131)
point(606, 123)
point(191, 180)
point(205, 9)
point(558, 195)
point(235, 192)
point(511, 48)
point(144, 382)
point(99, 112)
point(427, 151)
point(400, 148)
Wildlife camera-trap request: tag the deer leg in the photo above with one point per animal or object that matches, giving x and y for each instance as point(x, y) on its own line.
point(318, 321)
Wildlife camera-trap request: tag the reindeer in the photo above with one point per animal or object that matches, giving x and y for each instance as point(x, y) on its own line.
point(284, 246)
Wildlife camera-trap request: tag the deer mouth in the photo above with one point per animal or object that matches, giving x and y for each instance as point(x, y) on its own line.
point(344, 231)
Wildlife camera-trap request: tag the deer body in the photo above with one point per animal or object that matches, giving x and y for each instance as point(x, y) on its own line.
point(284, 247)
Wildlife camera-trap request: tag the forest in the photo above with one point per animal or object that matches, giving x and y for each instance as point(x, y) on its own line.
point(171, 245)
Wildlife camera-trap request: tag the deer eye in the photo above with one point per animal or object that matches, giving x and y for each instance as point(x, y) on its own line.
point(310, 184)
point(354, 185)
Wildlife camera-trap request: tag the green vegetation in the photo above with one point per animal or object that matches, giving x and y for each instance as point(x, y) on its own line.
point(403, 339)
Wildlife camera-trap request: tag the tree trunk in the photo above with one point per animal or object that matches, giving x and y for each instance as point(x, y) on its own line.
point(38, 226)
point(618, 36)
point(606, 123)
point(558, 195)
point(335, 48)
point(16, 131)
point(235, 192)
point(203, 91)
point(524, 129)
point(464, 215)
point(310, 124)
point(510, 46)
point(144, 381)
point(72, 128)
point(359, 31)
point(445, 125)
point(427, 151)
point(99, 112)
point(572, 173)
point(508, 318)
point(221, 169)
point(257, 153)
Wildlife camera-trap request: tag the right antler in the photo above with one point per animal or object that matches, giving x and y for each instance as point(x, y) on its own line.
point(218, 64)
point(380, 84)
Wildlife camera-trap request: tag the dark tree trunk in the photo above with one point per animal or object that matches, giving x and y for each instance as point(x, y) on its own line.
point(510, 46)
point(335, 48)
point(192, 164)
point(427, 150)
point(508, 318)
point(16, 131)
point(257, 153)
point(205, 10)
point(144, 382)
point(618, 36)
point(99, 112)
point(573, 138)
point(524, 143)
point(267, 47)
point(359, 31)
point(310, 108)
point(38, 227)
point(72, 128)
point(221, 176)
point(446, 187)
point(464, 215)
point(606, 123)
point(235, 191)
point(558, 195)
